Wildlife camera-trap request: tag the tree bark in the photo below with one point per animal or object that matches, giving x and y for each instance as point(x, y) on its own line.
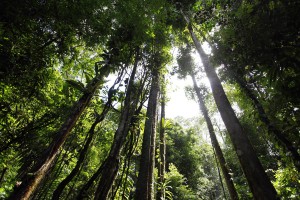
point(144, 185)
point(161, 194)
point(283, 141)
point(2, 174)
point(215, 143)
point(58, 191)
point(265, 119)
point(257, 178)
point(111, 165)
point(31, 180)
point(219, 173)
point(83, 192)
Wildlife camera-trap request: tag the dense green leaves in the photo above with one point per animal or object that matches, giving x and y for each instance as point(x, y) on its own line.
point(193, 157)
point(52, 51)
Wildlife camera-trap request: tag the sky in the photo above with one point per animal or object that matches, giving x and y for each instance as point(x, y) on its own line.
point(179, 104)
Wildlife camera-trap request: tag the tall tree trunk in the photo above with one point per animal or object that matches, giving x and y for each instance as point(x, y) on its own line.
point(283, 141)
point(219, 173)
point(111, 165)
point(91, 134)
point(265, 119)
point(257, 178)
point(144, 185)
point(31, 181)
point(161, 194)
point(215, 143)
point(84, 190)
point(58, 191)
point(151, 191)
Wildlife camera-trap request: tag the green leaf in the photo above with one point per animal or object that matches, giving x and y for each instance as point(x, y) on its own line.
point(76, 84)
point(88, 77)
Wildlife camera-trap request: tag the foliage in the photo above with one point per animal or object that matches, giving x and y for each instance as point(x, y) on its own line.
point(51, 50)
point(194, 159)
point(287, 182)
point(176, 185)
point(258, 41)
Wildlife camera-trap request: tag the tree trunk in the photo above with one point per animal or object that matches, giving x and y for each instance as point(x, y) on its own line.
point(144, 185)
point(2, 174)
point(283, 141)
point(265, 119)
point(215, 143)
point(258, 180)
point(74, 172)
point(111, 165)
point(219, 173)
point(84, 190)
point(91, 133)
point(162, 147)
point(31, 181)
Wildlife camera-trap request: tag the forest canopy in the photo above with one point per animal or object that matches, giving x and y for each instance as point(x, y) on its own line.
point(84, 87)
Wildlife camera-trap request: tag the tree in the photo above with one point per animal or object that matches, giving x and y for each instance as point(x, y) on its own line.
point(161, 194)
point(178, 188)
point(55, 55)
point(111, 164)
point(31, 181)
point(266, 72)
point(186, 66)
point(58, 191)
point(283, 141)
point(158, 58)
point(144, 185)
point(193, 157)
point(258, 180)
